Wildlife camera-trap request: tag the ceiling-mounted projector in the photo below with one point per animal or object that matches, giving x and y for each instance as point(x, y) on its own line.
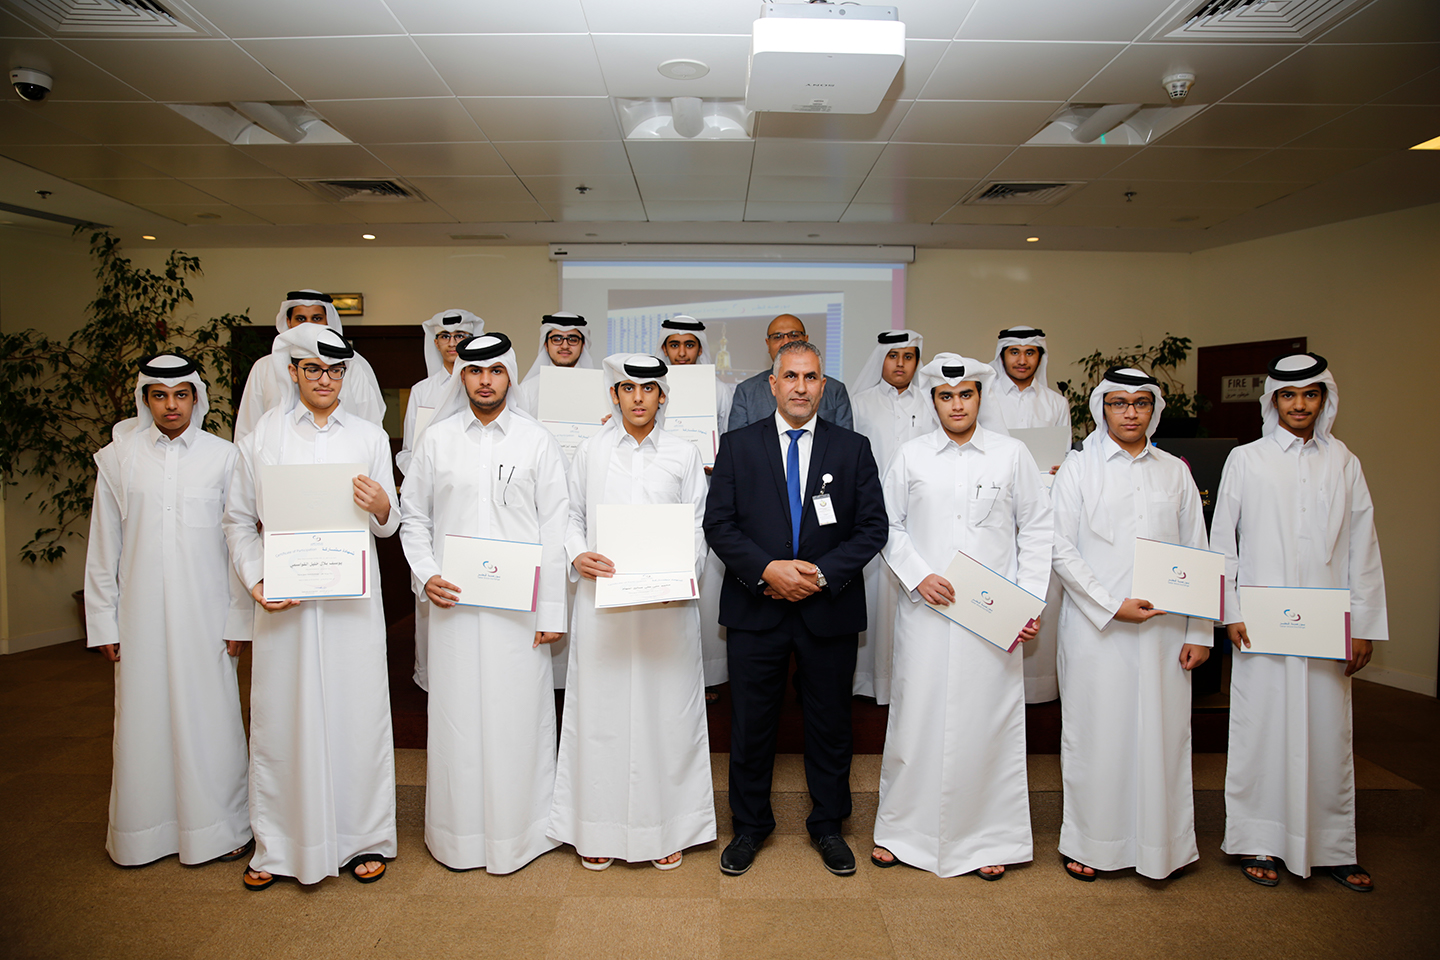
point(823, 57)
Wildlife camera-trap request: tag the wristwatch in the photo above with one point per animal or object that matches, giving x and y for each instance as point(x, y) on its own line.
point(820, 580)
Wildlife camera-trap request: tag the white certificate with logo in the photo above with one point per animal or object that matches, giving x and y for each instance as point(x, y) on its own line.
point(503, 574)
point(317, 538)
point(1297, 621)
point(1182, 580)
point(652, 546)
point(988, 605)
point(690, 408)
point(1048, 445)
point(572, 402)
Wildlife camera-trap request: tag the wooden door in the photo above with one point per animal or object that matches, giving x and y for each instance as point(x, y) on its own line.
point(1231, 376)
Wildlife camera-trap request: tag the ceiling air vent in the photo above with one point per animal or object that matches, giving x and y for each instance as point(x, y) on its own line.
point(365, 191)
point(1250, 19)
point(113, 18)
point(1020, 194)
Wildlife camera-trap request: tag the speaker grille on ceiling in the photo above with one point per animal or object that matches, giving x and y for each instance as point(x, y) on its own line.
point(104, 18)
point(1250, 19)
point(365, 191)
point(1013, 193)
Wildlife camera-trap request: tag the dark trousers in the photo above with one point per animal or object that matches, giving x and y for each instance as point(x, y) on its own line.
point(759, 663)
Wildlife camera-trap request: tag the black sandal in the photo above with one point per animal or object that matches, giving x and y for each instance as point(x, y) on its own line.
point(894, 861)
point(1081, 875)
point(1341, 875)
point(1260, 863)
point(232, 857)
point(354, 867)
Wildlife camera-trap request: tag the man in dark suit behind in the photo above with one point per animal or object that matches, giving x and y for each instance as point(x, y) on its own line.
point(789, 479)
point(754, 401)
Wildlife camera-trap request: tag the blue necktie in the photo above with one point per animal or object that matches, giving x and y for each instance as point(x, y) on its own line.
point(792, 484)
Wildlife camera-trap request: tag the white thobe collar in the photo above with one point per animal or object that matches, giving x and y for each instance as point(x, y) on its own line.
point(158, 439)
point(945, 443)
point(625, 440)
point(889, 392)
point(1288, 440)
point(782, 426)
point(503, 422)
point(1113, 449)
point(1008, 386)
point(301, 413)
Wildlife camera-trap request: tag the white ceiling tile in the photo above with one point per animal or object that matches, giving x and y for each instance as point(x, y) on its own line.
point(515, 211)
point(560, 65)
point(26, 123)
point(441, 159)
point(144, 192)
point(938, 160)
point(548, 190)
point(695, 210)
point(286, 18)
point(1182, 163)
point(912, 212)
point(680, 158)
point(832, 189)
point(1307, 166)
point(1382, 127)
point(127, 123)
point(467, 16)
point(934, 19)
point(471, 189)
point(630, 65)
point(1178, 193)
point(1329, 73)
point(1392, 21)
point(15, 27)
point(1062, 162)
point(995, 70)
point(371, 213)
point(349, 67)
point(814, 157)
point(566, 158)
point(76, 161)
point(1060, 19)
point(794, 212)
point(666, 16)
point(1250, 125)
point(898, 191)
point(306, 213)
point(879, 125)
point(1424, 89)
point(567, 210)
point(75, 77)
point(990, 216)
point(189, 162)
point(204, 213)
point(707, 188)
point(185, 71)
point(1133, 217)
point(544, 118)
point(921, 56)
point(330, 160)
point(247, 191)
point(978, 122)
point(1220, 68)
point(430, 120)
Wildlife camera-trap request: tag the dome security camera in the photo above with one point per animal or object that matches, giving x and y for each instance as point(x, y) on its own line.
point(32, 85)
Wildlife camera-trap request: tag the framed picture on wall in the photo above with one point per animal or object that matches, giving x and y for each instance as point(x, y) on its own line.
point(349, 304)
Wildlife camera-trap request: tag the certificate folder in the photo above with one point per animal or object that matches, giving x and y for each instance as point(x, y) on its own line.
point(1297, 621)
point(1181, 580)
point(317, 538)
point(653, 548)
point(690, 408)
point(986, 604)
point(572, 401)
point(500, 574)
point(1048, 445)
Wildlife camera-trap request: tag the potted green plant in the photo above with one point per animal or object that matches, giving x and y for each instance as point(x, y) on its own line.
point(62, 397)
point(1161, 361)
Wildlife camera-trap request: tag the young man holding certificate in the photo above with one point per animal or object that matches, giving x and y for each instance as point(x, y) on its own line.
point(486, 476)
point(633, 779)
point(1124, 666)
point(1294, 511)
point(954, 796)
point(443, 333)
point(156, 573)
point(322, 769)
point(563, 344)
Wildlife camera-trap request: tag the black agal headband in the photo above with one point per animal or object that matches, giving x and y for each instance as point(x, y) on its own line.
point(1313, 369)
point(1118, 375)
point(1020, 333)
point(487, 346)
point(694, 326)
point(309, 295)
point(151, 369)
point(646, 367)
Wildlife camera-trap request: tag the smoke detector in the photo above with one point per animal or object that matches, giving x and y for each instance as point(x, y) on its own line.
point(1177, 86)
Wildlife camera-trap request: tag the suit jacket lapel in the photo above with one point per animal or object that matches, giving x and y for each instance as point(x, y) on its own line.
point(818, 443)
point(777, 468)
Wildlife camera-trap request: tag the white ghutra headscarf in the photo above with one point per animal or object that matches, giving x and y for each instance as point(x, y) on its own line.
point(449, 321)
point(885, 342)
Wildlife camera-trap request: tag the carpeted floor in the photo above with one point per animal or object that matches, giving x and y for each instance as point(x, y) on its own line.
point(61, 897)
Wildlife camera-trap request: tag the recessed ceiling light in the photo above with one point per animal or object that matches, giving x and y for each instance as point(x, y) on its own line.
point(367, 236)
point(207, 216)
point(1032, 239)
point(1428, 145)
point(683, 69)
point(146, 237)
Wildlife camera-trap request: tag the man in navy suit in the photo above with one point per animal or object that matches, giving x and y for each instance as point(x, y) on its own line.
point(753, 399)
point(795, 512)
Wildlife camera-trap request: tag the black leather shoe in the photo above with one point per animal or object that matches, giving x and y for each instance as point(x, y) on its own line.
point(737, 856)
point(836, 854)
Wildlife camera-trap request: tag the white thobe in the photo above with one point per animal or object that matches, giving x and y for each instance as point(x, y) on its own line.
point(1290, 779)
point(427, 393)
point(887, 418)
point(954, 795)
point(491, 751)
point(263, 390)
point(156, 569)
point(712, 577)
point(1124, 697)
point(633, 777)
point(1039, 406)
point(322, 760)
